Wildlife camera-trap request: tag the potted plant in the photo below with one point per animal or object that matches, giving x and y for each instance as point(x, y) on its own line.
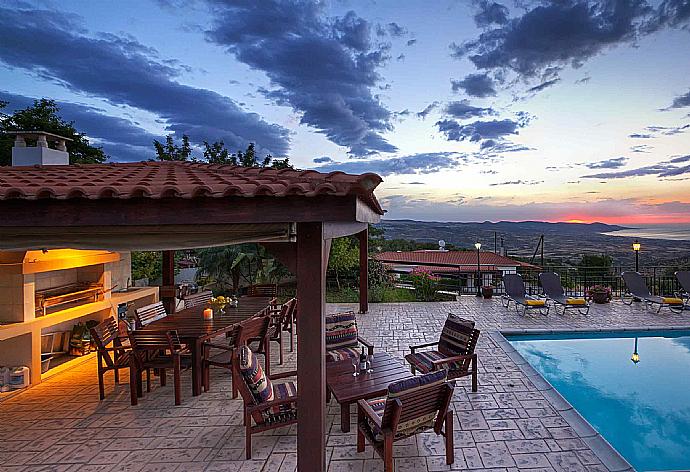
point(487, 291)
point(599, 293)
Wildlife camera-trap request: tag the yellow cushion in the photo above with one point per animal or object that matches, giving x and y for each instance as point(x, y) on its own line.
point(575, 301)
point(535, 302)
point(672, 300)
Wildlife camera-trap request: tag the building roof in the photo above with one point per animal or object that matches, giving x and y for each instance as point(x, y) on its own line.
point(187, 180)
point(450, 258)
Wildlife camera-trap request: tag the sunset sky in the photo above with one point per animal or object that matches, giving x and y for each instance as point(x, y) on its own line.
point(550, 110)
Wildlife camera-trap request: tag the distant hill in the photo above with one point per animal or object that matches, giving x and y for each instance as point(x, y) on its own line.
point(563, 241)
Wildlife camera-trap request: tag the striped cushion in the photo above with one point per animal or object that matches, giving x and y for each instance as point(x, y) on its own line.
point(422, 361)
point(455, 335)
point(378, 405)
point(259, 385)
point(341, 330)
point(341, 354)
point(285, 412)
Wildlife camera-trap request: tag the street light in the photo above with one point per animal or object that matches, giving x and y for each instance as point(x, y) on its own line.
point(635, 356)
point(478, 245)
point(636, 246)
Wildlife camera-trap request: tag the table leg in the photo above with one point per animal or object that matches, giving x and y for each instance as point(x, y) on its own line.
point(196, 367)
point(345, 417)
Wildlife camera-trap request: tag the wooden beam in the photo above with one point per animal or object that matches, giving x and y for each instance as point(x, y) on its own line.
point(285, 253)
point(311, 349)
point(363, 238)
point(332, 230)
point(168, 295)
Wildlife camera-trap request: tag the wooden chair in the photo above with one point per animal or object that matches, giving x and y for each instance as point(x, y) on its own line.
point(411, 406)
point(266, 405)
point(148, 314)
point(104, 334)
point(196, 299)
point(158, 350)
point(455, 352)
point(254, 328)
point(282, 319)
point(342, 337)
point(262, 290)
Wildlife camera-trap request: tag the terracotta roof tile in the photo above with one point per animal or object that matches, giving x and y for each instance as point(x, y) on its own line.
point(455, 258)
point(178, 180)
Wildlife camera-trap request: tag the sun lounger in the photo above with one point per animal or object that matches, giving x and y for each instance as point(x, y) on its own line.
point(637, 288)
point(551, 284)
point(515, 292)
point(683, 277)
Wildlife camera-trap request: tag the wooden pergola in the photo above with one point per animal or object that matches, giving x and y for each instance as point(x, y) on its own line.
point(179, 205)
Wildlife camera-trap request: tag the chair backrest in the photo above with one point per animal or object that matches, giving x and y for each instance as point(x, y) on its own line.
point(103, 334)
point(255, 387)
point(683, 277)
point(414, 404)
point(636, 284)
point(286, 314)
point(551, 283)
point(145, 342)
point(196, 299)
point(148, 314)
point(341, 330)
point(252, 328)
point(458, 337)
point(514, 285)
point(262, 290)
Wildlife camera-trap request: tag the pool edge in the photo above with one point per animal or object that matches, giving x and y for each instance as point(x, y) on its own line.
point(605, 452)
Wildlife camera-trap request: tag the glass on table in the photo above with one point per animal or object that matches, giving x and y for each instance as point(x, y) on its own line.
point(355, 367)
point(370, 361)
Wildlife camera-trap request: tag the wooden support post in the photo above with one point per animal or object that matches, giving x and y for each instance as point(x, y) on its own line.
point(311, 348)
point(363, 237)
point(168, 288)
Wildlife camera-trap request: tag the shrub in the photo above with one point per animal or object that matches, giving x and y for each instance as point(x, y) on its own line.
point(425, 284)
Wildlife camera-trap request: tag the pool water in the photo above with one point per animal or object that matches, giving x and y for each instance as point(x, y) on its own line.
point(642, 409)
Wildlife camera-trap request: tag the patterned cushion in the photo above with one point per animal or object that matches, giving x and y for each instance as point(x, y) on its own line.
point(422, 361)
point(341, 354)
point(259, 385)
point(378, 405)
point(285, 412)
point(455, 335)
point(341, 330)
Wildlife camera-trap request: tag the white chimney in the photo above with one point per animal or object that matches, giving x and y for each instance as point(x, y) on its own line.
point(41, 154)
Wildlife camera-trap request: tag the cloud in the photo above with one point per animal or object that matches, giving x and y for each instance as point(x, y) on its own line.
point(396, 30)
point(324, 69)
point(682, 100)
point(641, 148)
point(555, 34)
point(517, 182)
point(673, 13)
point(428, 109)
point(475, 85)
point(411, 42)
point(463, 110)
point(490, 13)
point(423, 163)
point(322, 160)
point(613, 163)
point(125, 72)
point(492, 147)
point(656, 131)
point(543, 86)
point(662, 169)
point(477, 130)
point(120, 138)
point(640, 136)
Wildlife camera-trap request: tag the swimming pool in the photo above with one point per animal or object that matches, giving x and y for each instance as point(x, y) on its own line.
point(642, 408)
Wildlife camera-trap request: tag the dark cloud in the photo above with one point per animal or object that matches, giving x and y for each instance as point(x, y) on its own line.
point(500, 146)
point(543, 85)
point(401, 57)
point(120, 138)
point(477, 130)
point(668, 168)
point(656, 131)
point(463, 110)
point(517, 182)
point(475, 85)
point(681, 101)
point(396, 30)
point(673, 13)
point(490, 13)
point(641, 148)
point(679, 159)
point(125, 72)
point(322, 160)
point(640, 136)
point(325, 70)
point(423, 163)
point(555, 34)
point(428, 109)
point(411, 42)
point(613, 163)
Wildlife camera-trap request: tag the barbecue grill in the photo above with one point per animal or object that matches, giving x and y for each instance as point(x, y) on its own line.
point(66, 296)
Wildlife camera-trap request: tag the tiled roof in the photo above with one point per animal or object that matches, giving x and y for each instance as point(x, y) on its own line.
point(178, 180)
point(455, 258)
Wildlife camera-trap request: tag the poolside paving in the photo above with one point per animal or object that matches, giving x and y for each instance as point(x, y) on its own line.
point(511, 423)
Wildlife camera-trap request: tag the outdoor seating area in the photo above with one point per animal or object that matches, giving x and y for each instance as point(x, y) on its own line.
point(507, 423)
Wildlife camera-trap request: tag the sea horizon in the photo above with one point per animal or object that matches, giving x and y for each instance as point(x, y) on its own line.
point(673, 232)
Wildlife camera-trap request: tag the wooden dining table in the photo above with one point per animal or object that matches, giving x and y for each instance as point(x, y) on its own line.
point(193, 329)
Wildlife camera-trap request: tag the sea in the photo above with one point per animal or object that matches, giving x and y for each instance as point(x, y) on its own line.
point(674, 232)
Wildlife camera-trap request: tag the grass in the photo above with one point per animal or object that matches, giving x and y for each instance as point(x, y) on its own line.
point(377, 295)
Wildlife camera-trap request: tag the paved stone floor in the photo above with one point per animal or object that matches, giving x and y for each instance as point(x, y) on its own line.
point(508, 425)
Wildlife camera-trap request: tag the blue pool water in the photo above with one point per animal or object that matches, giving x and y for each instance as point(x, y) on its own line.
point(642, 409)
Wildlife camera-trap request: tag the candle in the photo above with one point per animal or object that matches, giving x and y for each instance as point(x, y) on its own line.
point(208, 314)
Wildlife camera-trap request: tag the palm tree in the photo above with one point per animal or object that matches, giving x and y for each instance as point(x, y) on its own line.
point(223, 264)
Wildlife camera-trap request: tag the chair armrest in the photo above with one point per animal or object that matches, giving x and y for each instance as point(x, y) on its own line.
point(419, 346)
point(368, 345)
point(284, 375)
point(223, 347)
point(366, 409)
point(266, 405)
point(453, 359)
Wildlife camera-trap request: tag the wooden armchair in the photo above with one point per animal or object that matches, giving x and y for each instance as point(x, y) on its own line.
point(108, 339)
point(196, 299)
point(455, 351)
point(220, 354)
point(262, 290)
point(148, 314)
point(158, 350)
point(282, 320)
point(342, 337)
point(411, 406)
point(266, 405)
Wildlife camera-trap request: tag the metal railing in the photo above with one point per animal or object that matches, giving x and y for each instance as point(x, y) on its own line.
point(575, 280)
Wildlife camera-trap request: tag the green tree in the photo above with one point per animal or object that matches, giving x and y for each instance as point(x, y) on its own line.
point(44, 115)
point(171, 151)
point(344, 257)
point(217, 153)
point(223, 265)
point(595, 264)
